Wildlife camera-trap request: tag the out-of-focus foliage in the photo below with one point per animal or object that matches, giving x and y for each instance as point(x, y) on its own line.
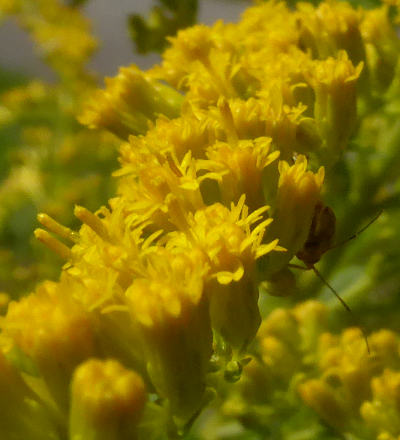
point(49, 162)
point(164, 20)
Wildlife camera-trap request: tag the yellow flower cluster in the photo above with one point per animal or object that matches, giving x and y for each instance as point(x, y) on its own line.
point(351, 390)
point(221, 174)
point(347, 373)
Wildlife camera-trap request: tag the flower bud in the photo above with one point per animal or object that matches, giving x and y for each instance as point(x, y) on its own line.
point(107, 401)
point(298, 192)
point(334, 82)
point(322, 399)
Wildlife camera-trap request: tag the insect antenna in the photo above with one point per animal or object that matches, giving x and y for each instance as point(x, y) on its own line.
point(343, 302)
point(355, 235)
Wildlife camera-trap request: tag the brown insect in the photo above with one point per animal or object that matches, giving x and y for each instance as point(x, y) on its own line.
point(320, 240)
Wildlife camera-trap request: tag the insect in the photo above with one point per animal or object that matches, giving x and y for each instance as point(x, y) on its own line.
point(319, 241)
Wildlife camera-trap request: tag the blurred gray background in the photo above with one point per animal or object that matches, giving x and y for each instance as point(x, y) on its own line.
point(109, 23)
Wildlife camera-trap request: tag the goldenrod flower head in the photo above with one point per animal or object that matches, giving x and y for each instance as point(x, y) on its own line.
point(170, 311)
point(50, 321)
point(130, 101)
point(329, 28)
point(163, 193)
point(222, 77)
point(105, 396)
point(268, 24)
point(113, 242)
point(267, 116)
point(205, 62)
point(191, 49)
point(298, 331)
point(279, 357)
point(107, 401)
point(382, 413)
point(192, 44)
point(280, 323)
point(347, 364)
point(312, 318)
point(174, 137)
point(334, 82)
point(96, 288)
point(240, 119)
point(297, 195)
point(226, 238)
point(173, 288)
point(230, 247)
point(382, 47)
point(348, 350)
point(317, 394)
point(241, 167)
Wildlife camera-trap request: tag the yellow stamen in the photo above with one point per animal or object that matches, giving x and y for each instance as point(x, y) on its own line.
point(52, 243)
point(94, 223)
point(58, 229)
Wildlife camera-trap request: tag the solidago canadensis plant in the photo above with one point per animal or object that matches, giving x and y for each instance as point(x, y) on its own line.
point(164, 323)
